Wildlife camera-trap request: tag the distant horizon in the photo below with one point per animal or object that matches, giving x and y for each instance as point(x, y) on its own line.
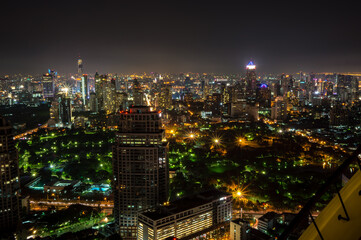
point(182, 72)
point(187, 36)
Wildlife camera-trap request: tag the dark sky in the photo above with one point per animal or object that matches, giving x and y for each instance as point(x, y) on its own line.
point(179, 36)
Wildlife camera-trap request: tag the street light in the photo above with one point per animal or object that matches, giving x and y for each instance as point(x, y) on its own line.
point(239, 193)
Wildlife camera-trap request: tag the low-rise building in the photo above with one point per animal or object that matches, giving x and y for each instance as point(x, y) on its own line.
point(241, 230)
point(187, 218)
point(267, 221)
point(61, 187)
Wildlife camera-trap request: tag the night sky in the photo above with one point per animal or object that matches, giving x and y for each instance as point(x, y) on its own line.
point(179, 36)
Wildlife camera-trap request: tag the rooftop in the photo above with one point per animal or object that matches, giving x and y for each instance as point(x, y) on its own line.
point(239, 220)
point(184, 204)
point(268, 216)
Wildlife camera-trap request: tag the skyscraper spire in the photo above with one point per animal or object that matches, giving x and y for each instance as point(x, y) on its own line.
point(251, 66)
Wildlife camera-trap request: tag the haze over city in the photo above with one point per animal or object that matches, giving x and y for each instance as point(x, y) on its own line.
point(186, 36)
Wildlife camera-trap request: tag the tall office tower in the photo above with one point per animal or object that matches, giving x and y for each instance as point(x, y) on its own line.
point(165, 97)
point(10, 186)
point(213, 104)
point(65, 112)
point(344, 84)
point(279, 109)
point(354, 91)
point(54, 114)
point(93, 102)
point(80, 66)
point(264, 96)
point(121, 101)
point(109, 97)
point(100, 82)
point(238, 92)
point(138, 96)
point(48, 84)
point(187, 82)
point(140, 167)
point(118, 82)
point(286, 84)
point(251, 81)
point(84, 89)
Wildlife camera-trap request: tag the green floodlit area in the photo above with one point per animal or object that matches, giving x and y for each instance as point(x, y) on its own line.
point(271, 168)
point(68, 155)
point(75, 218)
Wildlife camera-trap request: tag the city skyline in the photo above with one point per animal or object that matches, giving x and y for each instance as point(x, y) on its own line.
point(187, 120)
point(187, 37)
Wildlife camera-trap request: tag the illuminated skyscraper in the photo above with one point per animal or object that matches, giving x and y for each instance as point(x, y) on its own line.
point(84, 89)
point(279, 109)
point(109, 96)
point(287, 84)
point(251, 80)
point(263, 93)
point(140, 167)
point(165, 97)
point(9, 185)
point(48, 84)
point(100, 83)
point(65, 111)
point(80, 66)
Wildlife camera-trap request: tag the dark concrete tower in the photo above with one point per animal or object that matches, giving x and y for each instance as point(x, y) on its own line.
point(140, 167)
point(9, 184)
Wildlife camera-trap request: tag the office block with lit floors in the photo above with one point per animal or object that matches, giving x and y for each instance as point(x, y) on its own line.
point(140, 166)
point(203, 216)
point(9, 184)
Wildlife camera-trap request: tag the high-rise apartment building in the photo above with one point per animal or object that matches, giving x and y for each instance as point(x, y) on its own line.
point(100, 85)
point(109, 97)
point(140, 167)
point(165, 97)
point(9, 184)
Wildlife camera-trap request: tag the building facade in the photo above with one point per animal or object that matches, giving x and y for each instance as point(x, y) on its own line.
point(48, 84)
point(84, 89)
point(187, 218)
point(9, 184)
point(140, 166)
point(239, 229)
